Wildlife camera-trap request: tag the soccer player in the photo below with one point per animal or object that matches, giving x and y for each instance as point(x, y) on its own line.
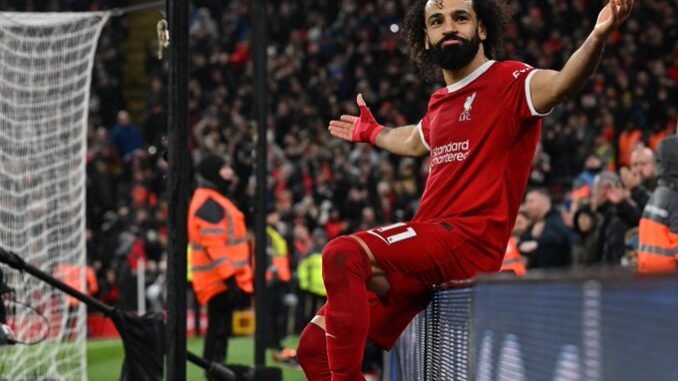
point(480, 131)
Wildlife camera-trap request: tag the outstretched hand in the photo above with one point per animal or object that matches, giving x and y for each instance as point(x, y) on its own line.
point(613, 15)
point(363, 128)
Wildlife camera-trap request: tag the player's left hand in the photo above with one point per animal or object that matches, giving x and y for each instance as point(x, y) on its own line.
point(614, 13)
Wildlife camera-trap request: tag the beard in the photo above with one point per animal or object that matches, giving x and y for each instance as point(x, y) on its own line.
point(455, 57)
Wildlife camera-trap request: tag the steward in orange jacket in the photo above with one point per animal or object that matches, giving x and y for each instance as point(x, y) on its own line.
point(658, 229)
point(220, 247)
point(512, 260)
point(220, 253)
point(73, 275)
point(81, 278)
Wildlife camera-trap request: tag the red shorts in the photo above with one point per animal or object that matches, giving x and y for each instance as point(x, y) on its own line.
point(416, 256)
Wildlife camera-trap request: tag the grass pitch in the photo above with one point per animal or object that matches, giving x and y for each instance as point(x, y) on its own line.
point(104, 358)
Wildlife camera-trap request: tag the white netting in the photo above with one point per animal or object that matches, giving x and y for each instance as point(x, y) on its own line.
point(45, 73)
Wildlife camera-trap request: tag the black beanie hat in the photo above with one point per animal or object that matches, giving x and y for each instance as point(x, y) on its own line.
point(209, 168)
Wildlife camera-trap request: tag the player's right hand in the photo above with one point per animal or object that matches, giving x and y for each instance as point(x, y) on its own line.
point(363, 128)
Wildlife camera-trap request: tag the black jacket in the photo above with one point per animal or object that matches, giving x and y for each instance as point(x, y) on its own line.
point(640, 195)
point(554, 246)
point(615, 220)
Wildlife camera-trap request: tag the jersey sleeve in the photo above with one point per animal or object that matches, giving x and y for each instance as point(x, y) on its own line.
point(424, 129)
point(519, 95)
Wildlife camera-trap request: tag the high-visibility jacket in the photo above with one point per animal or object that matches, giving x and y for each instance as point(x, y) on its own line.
point(189, 272)
point(73, 276)
point(628, 140)
point(512, 260)
point(310, 272)
point(219, 243)
point(279, 261)
point(658, 232)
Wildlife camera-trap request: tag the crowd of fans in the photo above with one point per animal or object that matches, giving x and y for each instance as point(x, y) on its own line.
point(321, 53)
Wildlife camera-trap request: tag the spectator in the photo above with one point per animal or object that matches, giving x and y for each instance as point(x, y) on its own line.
point(100, 191)
point(546, 243)
point(641, 180)
point(155, 125)
point(301, 245)
point(616, 215)
point(632, 244)
point(584, 180)
point(203, 25)
point(585, 223)
point(109, 292)
point(127, 138)
point(541, 168)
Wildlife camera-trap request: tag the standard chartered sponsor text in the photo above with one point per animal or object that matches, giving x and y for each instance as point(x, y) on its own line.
point(450, 152)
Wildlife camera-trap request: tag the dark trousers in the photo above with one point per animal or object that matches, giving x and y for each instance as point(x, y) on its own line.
point(277, 312)
point(194, 304)
point(309, 304)
point(219, 320)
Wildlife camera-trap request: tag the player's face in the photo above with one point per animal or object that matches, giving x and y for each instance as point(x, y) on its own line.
point(453, 32)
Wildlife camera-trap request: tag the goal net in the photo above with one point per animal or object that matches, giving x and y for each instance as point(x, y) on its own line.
point(46, 63)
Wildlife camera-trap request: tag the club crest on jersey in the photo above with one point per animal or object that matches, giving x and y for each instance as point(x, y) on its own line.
point(465, 115)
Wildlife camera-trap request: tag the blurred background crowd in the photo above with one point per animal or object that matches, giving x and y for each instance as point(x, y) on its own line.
point(590, 180)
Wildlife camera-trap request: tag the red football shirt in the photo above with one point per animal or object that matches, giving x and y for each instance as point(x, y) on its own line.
point(482, 133)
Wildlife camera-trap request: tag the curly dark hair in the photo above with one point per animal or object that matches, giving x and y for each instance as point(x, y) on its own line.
point(494, 14)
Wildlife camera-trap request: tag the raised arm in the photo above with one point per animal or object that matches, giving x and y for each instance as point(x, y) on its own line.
point(404, 141)
point(550, 87)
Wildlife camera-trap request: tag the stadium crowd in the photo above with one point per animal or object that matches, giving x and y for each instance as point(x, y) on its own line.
point(591, 177)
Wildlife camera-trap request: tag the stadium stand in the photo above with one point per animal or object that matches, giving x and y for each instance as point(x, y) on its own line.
point(321, 54)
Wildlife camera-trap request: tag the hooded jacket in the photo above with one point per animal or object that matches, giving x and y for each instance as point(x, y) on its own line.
point(218, 237)
point(658, 229)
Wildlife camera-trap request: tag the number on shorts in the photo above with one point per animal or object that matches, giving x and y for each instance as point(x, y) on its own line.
point(393, 233)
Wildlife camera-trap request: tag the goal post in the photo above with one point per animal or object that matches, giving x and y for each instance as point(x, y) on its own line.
point(46, 62)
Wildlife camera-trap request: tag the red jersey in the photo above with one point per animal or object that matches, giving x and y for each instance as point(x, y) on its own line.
point(482, 133)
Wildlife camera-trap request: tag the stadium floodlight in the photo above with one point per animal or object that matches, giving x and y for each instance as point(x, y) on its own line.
point(46, 63)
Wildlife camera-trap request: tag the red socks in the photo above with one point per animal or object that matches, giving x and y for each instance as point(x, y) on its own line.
point(345, 272)
point(312, 353)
